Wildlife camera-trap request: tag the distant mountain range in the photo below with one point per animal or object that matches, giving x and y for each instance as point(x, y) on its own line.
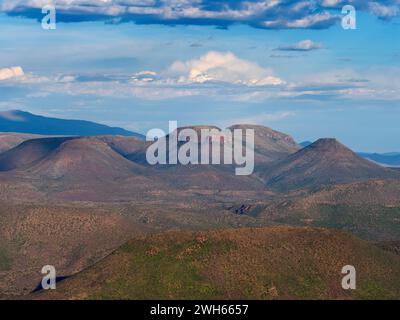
point(271, 144)
point(89, 194)
point(114, 167)
point(25, 122)
point(389, 159)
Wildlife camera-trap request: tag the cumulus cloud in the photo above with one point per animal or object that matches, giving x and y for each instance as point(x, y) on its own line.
point(217, 75)
point(258, 13)
point(305, 45)
point(11, 73)
point(223, 67)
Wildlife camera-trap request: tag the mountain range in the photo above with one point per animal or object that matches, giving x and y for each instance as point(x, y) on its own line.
point(91, 194)
point(324, 162)
point(17, 121)
point(388, 159)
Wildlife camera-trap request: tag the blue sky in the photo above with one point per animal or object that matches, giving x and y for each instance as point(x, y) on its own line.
point(288, 65)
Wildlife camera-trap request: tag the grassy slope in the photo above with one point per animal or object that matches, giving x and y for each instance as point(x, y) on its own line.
point(369, 210)
point(264, 263)
point(376, 223)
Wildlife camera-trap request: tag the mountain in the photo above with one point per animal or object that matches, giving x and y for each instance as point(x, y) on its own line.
point(25, 122)
point(245, 263)
point(123, 145)
point(83, 159)
point(386, 159)
point(80, 168)
point(324, 162)
point(11, 140)
point(269, 144)
point(28, 152)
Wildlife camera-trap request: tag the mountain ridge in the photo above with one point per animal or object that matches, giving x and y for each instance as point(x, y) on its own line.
point(324, 162)
point(18, 121)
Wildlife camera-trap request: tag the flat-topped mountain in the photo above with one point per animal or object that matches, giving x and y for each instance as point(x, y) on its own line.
point(270, 144)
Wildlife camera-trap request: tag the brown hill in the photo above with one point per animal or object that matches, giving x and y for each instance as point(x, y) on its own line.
point(83, 158)
point(11, 140)
point(104, 168)
point(368, 209)
point(215, 177)
point(324, 162)
point(124, 145)
point(258, 263)
point(70, 238)
point(87, 168)
point(29, 152)
point(270, 145)
point(372, 192)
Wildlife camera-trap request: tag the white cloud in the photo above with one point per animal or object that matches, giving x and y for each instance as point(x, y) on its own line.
point(10, 73)
point(218, 75)
point(383, 11)
point(309, 21)
point(260, 13)
point(305, 45)
point(223, 67)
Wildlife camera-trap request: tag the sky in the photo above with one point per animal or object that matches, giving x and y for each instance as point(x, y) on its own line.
point(137, 64)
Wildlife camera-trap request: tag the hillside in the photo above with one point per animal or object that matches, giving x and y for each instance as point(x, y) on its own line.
point(72, 168)
point(324, 162)
point(264, 263)
point(28, 152)
point(368, 209)
point(25, 122)
point(69, 237)
point(10, 140)
point(101, 169)
point(270, 144)
point(388, 159)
